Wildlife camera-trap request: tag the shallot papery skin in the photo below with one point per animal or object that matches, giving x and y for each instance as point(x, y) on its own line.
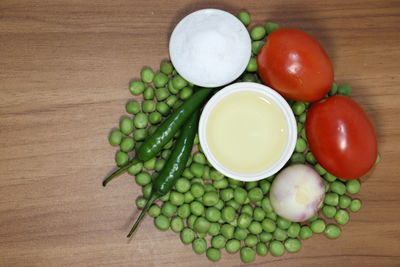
point(297, 193)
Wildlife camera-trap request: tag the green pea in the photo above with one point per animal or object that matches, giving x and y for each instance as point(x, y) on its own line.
point(319, 169)
point(214, 229)
point(165, 154)
point(251, 240)
point(187, 236)
point(297, 158)
point(154, 210)
point(310, 158)
point(353, 186)
point(344, 202)
point(143, 178)
point(226, 194)
point(280, 234)
point(301, 145)
point(331, 199)
point(213, 254)
point(141, 202)
point(147, 75)
point(177, 104)
point(197, 190)
point(247, 209)
point(256, 46)
point(170, 101)
point(200, 158)
point(140, 120)
point(115, 138)
point(257, 33)
point(283, 223)
point(344, 89)
point(258, 214)
point(266, 205)
point(330, 177)
point(252, 65)
point(261, 249)
point(255, 194)
point(185, 93)
point(126, 125)
point(161, 222)
point(121, 158)
point(182, 185)
point(218, 241)
point(166, 67)
point(355, 205)
point(332, 231)
point(232, 246)
point(132, 107)
point(270, 27)
point(329, 211)
point(197, 169)
point(148, 106)
point(160, 79)
point(265, 237)
point(303, 117)
point(196, 208)
point(240, 233)
point(136, 87)
point(298, 108)
point(155, 117)
point(227, 231)
point(338, 187)
point(150, 164)
point(139, 135)
point(127, 144)
point(220, 184)
point(210, 198)
point(342, 217)
point(292, 245)
point(244, 17)
point(168, 209)
point(163, 108)
point(240, 195)
point(244, 220)
point(228, 214)
point(255, 228)
point(190, 221)
point(276, 248)
point(215, 175)
point(201, 235)
point(199, 245)
point(161, 94)
point(188, 197)
point(177, 224)
point(272, 215)
point(305, 232)
point(201, 225)
point(232, 203)
point(165, 197)
point(213, 214)
point(293, 230)
point(265, 185)
point(184, 211)
point(179, 82)
point(177, 198)
point(148, 93)
point(318, 226)
point(136, 168)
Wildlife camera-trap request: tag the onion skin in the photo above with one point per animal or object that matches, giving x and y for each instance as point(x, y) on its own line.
point(297, 193)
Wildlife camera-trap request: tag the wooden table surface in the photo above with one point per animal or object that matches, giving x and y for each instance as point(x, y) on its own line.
point(64, 71)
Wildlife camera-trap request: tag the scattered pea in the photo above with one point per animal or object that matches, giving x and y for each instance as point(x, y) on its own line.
point(161, 222)
point(355, 205)
point(332, 231)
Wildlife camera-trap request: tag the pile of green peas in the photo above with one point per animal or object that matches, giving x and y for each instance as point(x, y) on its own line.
point(212, 212)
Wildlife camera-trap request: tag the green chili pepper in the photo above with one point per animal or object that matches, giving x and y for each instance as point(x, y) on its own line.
point(175, 165)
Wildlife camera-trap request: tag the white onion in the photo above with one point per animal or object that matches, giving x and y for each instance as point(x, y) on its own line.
point(297, 193)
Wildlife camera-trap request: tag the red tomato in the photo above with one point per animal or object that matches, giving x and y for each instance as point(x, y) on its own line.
point(293, 63)
point(341, 137)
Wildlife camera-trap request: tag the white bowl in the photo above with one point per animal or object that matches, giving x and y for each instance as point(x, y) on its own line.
point(282, 105)
point(210, 48)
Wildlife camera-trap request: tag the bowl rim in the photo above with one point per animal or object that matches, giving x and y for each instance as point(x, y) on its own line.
point(273, 96)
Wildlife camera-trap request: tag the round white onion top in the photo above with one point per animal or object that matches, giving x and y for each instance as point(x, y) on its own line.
point(210, 47)
point(297, 193)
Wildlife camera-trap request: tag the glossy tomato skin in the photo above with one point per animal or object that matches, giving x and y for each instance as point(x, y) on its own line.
point(293, 63)
point(341, 137)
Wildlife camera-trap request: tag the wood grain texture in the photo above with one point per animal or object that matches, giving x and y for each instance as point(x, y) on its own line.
point(64, 71)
